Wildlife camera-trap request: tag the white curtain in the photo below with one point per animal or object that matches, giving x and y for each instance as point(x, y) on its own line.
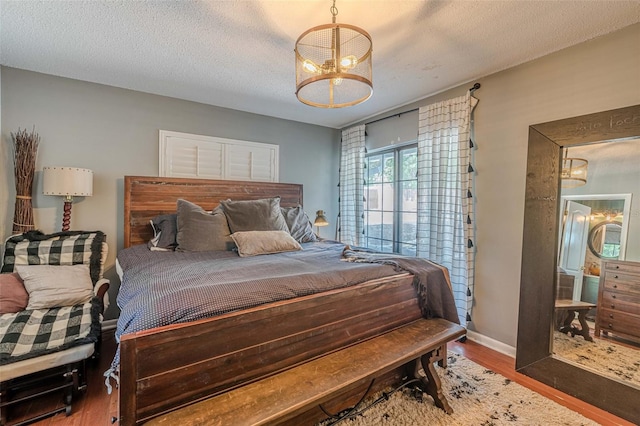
point(446, 230)
point(351, 220)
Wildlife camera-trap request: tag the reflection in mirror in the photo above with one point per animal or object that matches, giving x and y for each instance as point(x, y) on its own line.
point(604, 240)
point(596, 229)
point(539, 272)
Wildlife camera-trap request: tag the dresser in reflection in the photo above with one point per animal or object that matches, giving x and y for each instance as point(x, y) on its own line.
point(618, 310)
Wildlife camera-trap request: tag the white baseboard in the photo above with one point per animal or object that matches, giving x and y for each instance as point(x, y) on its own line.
point(109, 324)
point(491, 343)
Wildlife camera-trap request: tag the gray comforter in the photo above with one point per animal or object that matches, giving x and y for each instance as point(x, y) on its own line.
point(161, 288)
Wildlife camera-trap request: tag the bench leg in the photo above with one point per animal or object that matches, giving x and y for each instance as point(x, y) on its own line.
point(584, 331)
point(430, 380)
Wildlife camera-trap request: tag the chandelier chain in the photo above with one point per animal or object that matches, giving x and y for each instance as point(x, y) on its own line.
point(334, 11)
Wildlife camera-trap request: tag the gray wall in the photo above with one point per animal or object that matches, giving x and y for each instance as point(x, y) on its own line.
point(114, 132)
point(594, 76)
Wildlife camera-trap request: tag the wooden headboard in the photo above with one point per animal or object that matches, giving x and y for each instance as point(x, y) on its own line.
point(146, 197)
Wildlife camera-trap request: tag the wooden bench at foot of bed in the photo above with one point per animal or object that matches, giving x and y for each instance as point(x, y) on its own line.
point(285, 395)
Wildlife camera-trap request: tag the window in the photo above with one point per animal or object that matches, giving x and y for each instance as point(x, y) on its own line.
point(391, 201)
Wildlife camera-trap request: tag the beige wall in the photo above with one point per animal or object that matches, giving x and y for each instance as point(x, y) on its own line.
point(114, 132)
point(594, 76)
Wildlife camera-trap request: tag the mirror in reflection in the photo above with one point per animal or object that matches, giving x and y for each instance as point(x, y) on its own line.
point(604, 241)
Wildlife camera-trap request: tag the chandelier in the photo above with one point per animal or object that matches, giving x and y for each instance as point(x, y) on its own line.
point(574, 171)
point(333, 65)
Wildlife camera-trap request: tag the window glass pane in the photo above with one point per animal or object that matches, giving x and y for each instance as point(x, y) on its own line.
point(389, 167)
point(373, 224)
point(386, 246)
point(373, 243)
point(387, 197)
point(387, 226)
point(408, 249)
point(373, 194)
point(408, 163)
point(374, 166)
point(408, 201)
point(407, 227)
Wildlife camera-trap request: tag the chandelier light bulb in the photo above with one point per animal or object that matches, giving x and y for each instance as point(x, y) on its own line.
point(310, 67)
point(336, 81)
point(348, 62)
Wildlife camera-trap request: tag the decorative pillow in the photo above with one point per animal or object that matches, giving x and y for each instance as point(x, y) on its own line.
point(255, 215)
point(253, 243)
point(61, 248)
point(13, 296)
point(50, 286)
point(299, 224)
point(199, 230)
point(165, 232)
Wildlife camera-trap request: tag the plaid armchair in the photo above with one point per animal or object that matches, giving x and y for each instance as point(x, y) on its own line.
point(52, 344)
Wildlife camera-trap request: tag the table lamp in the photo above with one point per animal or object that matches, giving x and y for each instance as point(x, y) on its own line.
point(67, 182)
point(321, 220)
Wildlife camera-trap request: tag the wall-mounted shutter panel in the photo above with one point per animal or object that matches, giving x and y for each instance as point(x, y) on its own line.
point(250, 162)
point(192, 158)
point(196, 156)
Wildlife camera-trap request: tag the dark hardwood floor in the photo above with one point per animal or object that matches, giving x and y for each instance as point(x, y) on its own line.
point(97, 408)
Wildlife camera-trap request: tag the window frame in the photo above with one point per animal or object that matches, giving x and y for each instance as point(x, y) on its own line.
point(397, 181)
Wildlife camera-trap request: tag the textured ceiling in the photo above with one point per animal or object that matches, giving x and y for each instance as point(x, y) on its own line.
point(239, 54)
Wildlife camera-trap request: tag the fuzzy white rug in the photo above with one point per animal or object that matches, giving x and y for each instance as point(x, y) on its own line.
point(601, 355)
point(477, 395)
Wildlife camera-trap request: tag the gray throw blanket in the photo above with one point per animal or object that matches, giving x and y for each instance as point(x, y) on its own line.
point(431, 280)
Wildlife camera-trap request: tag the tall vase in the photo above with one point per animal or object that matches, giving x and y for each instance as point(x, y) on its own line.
point(25, 151)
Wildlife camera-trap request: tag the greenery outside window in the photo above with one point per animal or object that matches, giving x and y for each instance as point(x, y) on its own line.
point(391, 200)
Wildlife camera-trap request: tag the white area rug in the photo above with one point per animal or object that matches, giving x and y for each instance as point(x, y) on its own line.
point(601, 355)
point(477, 395)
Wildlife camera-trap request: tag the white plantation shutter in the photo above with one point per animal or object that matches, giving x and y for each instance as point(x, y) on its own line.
point(249, 162)
point(197, 156)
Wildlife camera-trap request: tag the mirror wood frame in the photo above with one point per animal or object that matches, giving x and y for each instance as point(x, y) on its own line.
point(539, 257)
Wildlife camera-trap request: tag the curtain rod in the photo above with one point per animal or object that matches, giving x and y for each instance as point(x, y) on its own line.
point(475, 87)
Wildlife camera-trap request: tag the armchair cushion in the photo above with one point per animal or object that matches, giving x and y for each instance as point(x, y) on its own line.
point(51, 286)
point(13, 295)
point(62, 248)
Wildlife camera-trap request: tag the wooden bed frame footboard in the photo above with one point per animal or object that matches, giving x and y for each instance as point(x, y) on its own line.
point(172, 366)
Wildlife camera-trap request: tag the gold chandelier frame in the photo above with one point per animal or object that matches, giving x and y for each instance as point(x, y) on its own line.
point(329, 70)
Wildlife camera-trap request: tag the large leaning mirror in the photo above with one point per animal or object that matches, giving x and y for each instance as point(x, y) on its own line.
point(539, 272)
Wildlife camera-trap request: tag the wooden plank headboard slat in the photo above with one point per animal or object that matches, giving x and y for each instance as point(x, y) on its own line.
point(146, 197)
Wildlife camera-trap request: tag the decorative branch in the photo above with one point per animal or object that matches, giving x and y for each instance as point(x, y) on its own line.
point(24, 161)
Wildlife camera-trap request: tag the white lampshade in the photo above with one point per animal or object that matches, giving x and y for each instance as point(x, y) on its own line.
point(67, 181)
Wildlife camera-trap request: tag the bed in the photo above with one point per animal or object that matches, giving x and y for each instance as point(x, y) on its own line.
point(195, 355)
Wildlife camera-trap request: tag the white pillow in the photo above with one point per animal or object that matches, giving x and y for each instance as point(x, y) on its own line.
point(50, 286)
point(254, 243)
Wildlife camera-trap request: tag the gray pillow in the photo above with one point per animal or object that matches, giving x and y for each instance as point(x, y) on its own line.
point(199, 230)
point(299, 224)
point(255, 215)
point(165, 231)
